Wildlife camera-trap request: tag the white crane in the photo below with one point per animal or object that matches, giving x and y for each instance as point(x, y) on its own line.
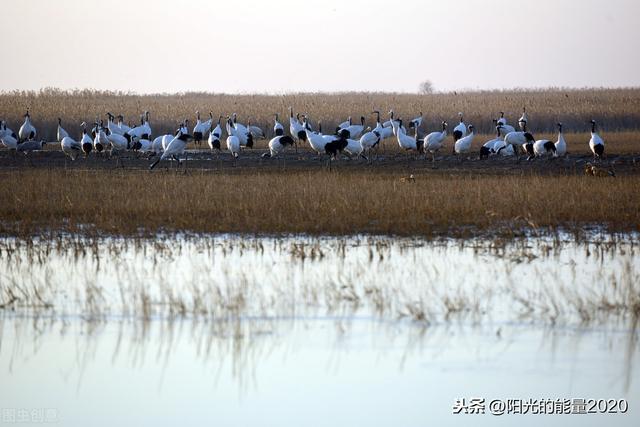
point(165, 140)
point(489, 146)
point(113, 127)
point(544, 147)
point(174, 150)
point(141, 131)
point(250, 136)
point(256, 131)
point(71, 148)
point(463, 145)
point(241, 132)
point(344, 124)
point(239, 127)
point(233, 142)
point(503, 149)
point(100, 142)
point(86, 142)
point(214, 136)
point(521, 139)
point(317, 141)
point(61, 133)
point(435, 141)
point(118, 143)
point(298, 132)
point(501, 120)
point(372, 139)
point(356, 130)
point(337, 144)
point(405, 141)
point(460, 131)
point(147, 126)
point(506, 128)
point(278, 144)
point(4, 130)
point(379, 126)
point(121, 124)
point(158, 144)
point(27, 130)
point(201, 128)
point(416, 122)
point(327, 138)
point(184, 128)
point(523, 120)
point(596, 143)
point(389, 124)
point(144, 146)
point(94, 130)
point(8, 138)
point(561, 144)
point(278, 129)
point(354, 148)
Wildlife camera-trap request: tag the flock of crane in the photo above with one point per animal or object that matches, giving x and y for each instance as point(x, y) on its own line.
point(353, 139)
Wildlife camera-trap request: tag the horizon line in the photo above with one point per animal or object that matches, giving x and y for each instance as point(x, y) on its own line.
point(52, 90)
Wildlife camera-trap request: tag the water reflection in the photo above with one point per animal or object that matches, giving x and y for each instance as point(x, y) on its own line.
point(312, 331)
point(348, 361)
point(229, 277)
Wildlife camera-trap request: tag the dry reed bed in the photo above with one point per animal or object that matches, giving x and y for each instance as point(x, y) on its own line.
point(616, 109)
point(314, 202)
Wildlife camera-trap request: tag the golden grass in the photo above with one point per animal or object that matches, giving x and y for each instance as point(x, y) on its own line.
point(615, 109)
point(315, 202)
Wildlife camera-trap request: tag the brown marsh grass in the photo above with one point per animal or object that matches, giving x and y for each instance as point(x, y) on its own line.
point(315, 202)
point(615, 109)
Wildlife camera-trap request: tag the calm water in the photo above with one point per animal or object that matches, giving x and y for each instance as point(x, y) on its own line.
point(301, 331)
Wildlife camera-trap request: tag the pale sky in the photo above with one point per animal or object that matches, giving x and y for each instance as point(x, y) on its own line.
point(243, 46)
